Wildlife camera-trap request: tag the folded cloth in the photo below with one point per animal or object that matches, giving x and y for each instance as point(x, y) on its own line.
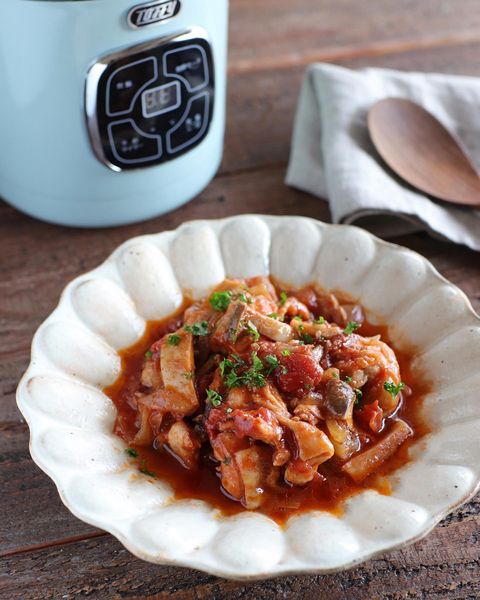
point(333, 157)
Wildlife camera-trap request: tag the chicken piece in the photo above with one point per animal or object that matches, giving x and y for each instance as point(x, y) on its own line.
point(313, 448)
point(261, 425)
point(224, 446)
point(262, 286)
point(198, 312)
point(362, 465)
point(151, 376)
point(184, 444)
point(292, 307)
point(235, 286)
point(352, 352)
point(269, 397)
point(167, 401)
point(271, 328)
point(299, 472)
point(144, 435)
point(317, 331)
point(308, 412)
point(254, 465)
point(312, 443)
point(178, 369)
point(262, 305)
point(239, 398)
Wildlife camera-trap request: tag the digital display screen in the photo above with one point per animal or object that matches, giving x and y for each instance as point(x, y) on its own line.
point(161, 99)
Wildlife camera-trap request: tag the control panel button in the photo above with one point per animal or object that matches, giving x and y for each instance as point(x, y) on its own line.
point(189, 64)
point(161, 99)
point(150, 103)
point(130, 145)
point(126, 83)
point(192, 124)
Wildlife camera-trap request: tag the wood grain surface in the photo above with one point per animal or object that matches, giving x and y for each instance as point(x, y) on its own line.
point(45, 551)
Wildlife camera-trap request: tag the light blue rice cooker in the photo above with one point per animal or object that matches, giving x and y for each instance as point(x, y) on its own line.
point(111, 111)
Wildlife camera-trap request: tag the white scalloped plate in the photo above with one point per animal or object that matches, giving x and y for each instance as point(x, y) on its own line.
point(74, 356)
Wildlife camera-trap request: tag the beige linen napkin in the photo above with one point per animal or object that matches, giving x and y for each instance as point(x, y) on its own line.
point(332, 156)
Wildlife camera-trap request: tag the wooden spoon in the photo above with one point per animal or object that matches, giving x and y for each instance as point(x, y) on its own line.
point(418, 148)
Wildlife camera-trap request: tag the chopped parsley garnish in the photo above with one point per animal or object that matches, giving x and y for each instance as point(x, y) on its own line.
point(319, 321)
point(335, 375)
point(148, 354)
point(253, 377)
point(214, 398)
point(199, 329)
point(297, 318)
point(307, 338)
point(174, 339)
point(348, 379)
point(272, 362)
point(220, 300)
point(273, 316)
point(393, 389)
point(189, 375)
point(283, 298)
point(244, 298)
point(252, 330)
point(351, 327)
point(147, 472)
point(359, 395)
point(286, 352)
point(227, 364)
point(131, 452)
point(256, 362)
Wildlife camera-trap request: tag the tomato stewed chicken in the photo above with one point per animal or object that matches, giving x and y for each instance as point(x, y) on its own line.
point(276, 390)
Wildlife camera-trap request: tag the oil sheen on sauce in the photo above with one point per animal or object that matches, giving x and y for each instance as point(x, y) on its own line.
point(323, 493)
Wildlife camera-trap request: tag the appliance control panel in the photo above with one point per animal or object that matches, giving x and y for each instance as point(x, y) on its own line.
point(152, 102)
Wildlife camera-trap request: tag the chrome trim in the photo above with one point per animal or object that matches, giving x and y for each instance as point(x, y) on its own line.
point(98, 67)
point(148, 5)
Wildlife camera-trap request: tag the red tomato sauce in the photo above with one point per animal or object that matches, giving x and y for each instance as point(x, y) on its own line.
point(326, 492)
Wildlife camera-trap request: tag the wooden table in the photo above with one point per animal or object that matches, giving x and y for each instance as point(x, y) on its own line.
point(48, 553)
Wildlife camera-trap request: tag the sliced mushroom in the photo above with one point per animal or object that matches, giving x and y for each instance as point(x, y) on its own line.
point(339, 399)
point(228, 327)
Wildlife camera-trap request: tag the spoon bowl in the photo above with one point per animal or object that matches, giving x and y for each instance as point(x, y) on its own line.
point(422, 151)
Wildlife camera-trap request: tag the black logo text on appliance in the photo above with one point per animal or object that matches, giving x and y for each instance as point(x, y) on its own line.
point(153, 12)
